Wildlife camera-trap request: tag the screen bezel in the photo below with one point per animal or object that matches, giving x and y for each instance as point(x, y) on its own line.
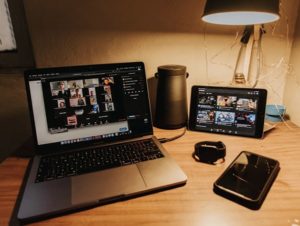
point(260, 110)
point(56, 147)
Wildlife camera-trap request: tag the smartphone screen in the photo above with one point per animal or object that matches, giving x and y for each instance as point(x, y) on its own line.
point(248, 176)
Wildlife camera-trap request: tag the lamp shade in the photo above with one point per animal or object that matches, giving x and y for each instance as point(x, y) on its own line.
point(241, 12)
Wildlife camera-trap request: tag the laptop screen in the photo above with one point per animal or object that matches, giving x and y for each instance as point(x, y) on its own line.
point(87, 104)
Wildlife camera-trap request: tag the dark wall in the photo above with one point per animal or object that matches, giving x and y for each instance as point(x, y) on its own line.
point(14, 118)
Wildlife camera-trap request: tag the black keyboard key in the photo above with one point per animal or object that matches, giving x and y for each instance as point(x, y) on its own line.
point(86, 161)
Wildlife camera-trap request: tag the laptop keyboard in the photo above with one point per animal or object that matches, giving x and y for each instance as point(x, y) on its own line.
point(86, 161)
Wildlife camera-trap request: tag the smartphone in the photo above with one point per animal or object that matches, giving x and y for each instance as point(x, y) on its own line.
point(247, 179)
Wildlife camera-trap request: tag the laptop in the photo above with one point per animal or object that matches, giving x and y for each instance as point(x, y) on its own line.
point(94, 140)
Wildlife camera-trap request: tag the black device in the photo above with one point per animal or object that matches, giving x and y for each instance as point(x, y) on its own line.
point(171, 100)
point(210, 152)
point(247, 179)
point(234, 111)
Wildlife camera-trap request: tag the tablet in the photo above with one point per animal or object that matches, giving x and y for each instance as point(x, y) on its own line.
point(234, 111)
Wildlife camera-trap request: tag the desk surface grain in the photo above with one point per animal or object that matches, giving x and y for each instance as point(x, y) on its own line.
point(195, 203)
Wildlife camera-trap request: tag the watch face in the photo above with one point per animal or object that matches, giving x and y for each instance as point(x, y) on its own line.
point(208, 154)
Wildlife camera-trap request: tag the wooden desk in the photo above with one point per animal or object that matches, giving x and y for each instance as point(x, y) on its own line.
point(195, 203)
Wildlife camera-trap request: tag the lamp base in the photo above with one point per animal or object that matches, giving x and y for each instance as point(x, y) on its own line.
point(239, 80)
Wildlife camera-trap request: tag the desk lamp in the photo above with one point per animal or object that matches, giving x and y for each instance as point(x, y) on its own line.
point(253, 14)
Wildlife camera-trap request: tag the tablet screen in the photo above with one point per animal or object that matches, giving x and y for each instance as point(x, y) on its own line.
point(235, 111)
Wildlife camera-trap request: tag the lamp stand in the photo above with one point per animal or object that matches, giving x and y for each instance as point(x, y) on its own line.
point(249, 59)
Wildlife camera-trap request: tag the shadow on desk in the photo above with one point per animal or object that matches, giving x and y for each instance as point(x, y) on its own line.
point(26, 150)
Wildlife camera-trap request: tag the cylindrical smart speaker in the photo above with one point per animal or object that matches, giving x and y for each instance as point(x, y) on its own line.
point(171, 100)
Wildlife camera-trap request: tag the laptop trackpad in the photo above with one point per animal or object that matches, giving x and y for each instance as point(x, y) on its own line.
point(106, 184)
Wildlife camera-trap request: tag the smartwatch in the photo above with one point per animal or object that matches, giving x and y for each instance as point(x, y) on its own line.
point(211, 152)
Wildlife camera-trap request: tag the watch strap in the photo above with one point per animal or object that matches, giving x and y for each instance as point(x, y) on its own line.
point(211, 152)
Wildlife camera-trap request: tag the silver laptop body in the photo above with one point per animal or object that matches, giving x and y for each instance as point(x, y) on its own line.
point(83, 108)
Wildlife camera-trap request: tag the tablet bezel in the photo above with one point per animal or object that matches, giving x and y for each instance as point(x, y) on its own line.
point(259, 116)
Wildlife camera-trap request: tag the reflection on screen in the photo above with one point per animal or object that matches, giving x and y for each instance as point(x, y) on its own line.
point(248, 175)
